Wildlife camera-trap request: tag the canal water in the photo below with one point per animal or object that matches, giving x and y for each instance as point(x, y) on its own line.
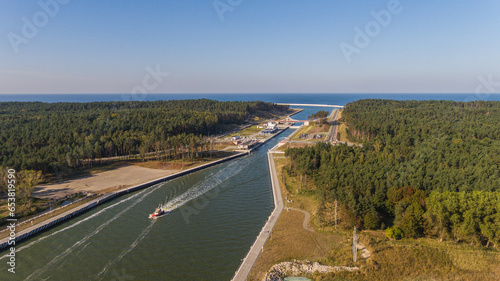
point(216, 214)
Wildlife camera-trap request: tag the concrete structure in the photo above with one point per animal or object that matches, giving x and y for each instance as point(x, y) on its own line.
point(316, 105)
point(247, 144)
point(269, 131)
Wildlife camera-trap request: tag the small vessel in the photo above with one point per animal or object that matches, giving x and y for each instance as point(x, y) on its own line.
point(158, 213)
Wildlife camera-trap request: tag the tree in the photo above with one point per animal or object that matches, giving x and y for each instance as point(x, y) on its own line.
point(412, 221)
point(27, 180)
point(371, 220)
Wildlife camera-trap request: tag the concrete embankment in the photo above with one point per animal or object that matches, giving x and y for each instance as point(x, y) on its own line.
point(248, 262)
point(25, 233)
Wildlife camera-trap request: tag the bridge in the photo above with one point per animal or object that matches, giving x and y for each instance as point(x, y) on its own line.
point(307, 104)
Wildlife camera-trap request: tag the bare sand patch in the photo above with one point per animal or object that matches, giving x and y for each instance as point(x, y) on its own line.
point(123, 176)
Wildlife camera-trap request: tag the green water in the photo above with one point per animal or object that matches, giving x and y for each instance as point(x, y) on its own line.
point(216, 215)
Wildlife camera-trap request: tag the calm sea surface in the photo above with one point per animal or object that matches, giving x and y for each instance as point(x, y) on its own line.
point(339, 99)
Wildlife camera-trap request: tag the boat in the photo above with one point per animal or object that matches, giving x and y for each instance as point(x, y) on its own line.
point(158, 213)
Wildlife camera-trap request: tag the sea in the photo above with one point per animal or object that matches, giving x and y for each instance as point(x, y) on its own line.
point(305, 98)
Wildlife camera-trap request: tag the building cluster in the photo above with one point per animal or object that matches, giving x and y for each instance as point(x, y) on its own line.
point(243, 143)
point(271, 128)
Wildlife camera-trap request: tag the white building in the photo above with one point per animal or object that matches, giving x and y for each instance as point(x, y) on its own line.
point(271, 125)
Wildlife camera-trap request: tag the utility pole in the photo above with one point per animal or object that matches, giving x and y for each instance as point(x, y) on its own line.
point(335, 213)
point(354, 245)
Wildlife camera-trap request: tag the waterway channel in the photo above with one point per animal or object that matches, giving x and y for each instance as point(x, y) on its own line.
point(216, 216)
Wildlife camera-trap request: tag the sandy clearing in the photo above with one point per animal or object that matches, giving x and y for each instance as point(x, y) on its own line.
point(127, 176)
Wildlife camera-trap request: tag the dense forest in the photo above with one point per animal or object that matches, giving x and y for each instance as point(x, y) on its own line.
point(319, 114)
point(425, 167)
point(49, 137)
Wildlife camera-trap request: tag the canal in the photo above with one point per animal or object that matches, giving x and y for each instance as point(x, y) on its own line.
point(216, 215)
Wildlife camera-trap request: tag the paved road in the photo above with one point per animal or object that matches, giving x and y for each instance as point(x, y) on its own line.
point(334, 126)
point(248, 262)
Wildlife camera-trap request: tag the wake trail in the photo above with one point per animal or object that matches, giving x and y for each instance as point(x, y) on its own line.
point(75, 224)
point(83, 240)
point(134, 244)
point(208, 184)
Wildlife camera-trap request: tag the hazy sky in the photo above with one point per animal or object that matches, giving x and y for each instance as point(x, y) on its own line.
point(249, 46)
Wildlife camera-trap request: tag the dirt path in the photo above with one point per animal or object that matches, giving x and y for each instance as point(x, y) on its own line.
point(306, 218)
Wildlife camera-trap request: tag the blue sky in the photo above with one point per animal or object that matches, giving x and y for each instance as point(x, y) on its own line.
point(254, 46)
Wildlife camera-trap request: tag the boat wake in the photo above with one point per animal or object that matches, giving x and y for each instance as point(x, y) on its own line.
point(84, 239)
point(77, 223)
point(207, 185)
point(134, 244)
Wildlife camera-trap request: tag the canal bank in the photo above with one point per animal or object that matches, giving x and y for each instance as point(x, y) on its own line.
point(257, 247)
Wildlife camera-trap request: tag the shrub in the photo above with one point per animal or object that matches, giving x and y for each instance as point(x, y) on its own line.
point(394, 232)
